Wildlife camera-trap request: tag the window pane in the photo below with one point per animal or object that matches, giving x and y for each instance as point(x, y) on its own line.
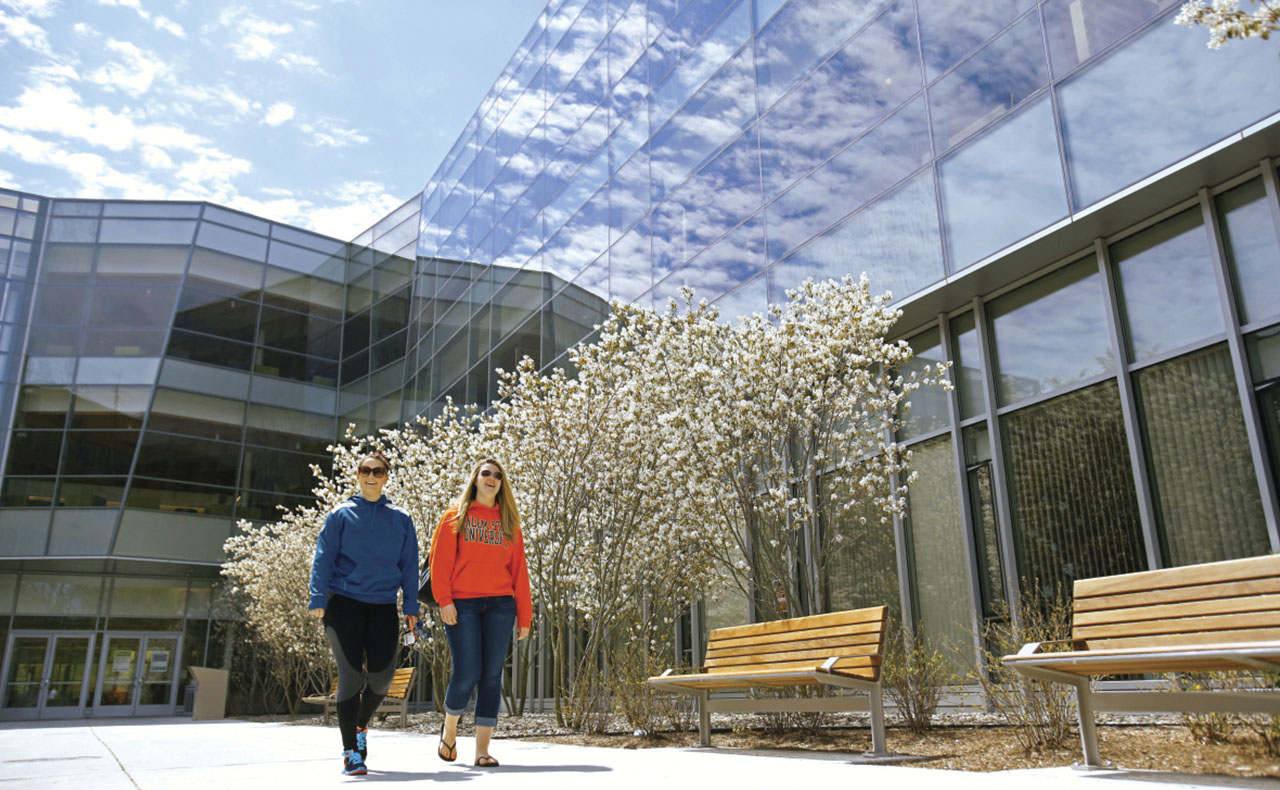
point(270, 470)
point(58, 595)
point(861, 568)
point(299, 333)
point(34, 452)
point(60, 304)
point(110, 407)
point(209, 350)
point(929, 410)
point(235, 242)
point(66, 263)
point(872, 164)
point(27, 491)
point(140, 265)
point(197, 415)
point(289, 430)
point(146, 231)
point(1004, 186)
point(1075, 514)
point(1079, 29)
point(1264, 355)
point(941, 588)
point(131, 306)
point(1050, 333)
point(148, 598)
point(951, 29)
point(176, 536)
point(1167, 286)
point(124, 342)
point(1155, 100)
point(297, 367)
point(1253, 252)
point(1206, 493)
point(800, 35)
point(894, 240)
point(966, 373)
point(91, 492)
point(99, 452)
point(989, 84)
point(213, 271)
point(862, 83)
point(184, 458)
point(180, 497)
point(43, 407)
point(214, 314)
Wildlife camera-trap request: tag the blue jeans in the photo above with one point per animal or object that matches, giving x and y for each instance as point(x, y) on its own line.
point(478, 644)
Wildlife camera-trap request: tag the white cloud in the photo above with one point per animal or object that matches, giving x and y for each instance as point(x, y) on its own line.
point(258, 41)
point(155, 158)
point(292, 60)
point(169, 26)
point(25, 32)
point(7, 180)
point(333, 136)
point(278, 114)
point(133, 74)
point(95, 177)
point(33, 7)
point(351, 208)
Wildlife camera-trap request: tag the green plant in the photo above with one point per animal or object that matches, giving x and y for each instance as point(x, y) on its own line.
point(1040, 712)
point(915, 676)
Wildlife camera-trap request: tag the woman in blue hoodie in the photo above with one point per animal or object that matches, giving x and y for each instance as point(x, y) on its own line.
point(366, 552)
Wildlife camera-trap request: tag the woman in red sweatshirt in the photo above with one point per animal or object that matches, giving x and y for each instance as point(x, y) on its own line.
point(480, 580)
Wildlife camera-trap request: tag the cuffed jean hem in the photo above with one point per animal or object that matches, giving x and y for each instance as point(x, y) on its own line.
point(482, 721)
point(451, 712)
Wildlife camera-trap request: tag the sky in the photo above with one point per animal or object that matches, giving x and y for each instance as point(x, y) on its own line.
point(324, 114)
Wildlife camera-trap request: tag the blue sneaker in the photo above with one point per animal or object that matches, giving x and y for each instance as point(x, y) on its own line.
point(353, 763)
point(362, 742)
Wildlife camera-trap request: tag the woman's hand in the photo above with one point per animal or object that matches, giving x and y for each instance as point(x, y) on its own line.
point(449, 614)
point(522, 634)
point(317, 612)
point(411, 621)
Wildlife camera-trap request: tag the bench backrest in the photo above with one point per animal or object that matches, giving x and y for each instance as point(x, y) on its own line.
point(1230, 602)
point(802, 643)
point(400, 683)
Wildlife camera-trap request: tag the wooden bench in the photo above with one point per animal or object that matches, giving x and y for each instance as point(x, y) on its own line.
point(397, 698)
point(843, 649)
point(1220, 616)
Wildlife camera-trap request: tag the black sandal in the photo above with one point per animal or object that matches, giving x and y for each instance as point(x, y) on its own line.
point(444, 749)
point(485, 761)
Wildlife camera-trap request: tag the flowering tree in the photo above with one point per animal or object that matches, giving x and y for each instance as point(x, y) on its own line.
point(685, 454)
point(1226, 19)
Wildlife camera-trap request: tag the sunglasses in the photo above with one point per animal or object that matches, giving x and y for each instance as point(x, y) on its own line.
point(490, 473)
point(376, 471)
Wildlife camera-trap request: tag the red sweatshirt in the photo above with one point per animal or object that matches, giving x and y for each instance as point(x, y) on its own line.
point(479, 561)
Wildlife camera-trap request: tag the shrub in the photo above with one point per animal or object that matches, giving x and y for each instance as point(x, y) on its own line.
point(915, 676)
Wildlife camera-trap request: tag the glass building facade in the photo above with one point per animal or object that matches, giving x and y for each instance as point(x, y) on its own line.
point(1072, 201)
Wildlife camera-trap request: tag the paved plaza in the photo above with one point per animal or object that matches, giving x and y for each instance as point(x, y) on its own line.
point(170, 753)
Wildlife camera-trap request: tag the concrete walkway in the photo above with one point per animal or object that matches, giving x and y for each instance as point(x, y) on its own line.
point(168, 753)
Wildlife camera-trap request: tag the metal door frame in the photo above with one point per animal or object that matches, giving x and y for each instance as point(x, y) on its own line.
point(38, 712)
point(134, 708)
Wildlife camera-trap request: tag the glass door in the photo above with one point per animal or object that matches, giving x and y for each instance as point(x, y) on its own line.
point(45, 675)
point(156, 674)
point(137, 675)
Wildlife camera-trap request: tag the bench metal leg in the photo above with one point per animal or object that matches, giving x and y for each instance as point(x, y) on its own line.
point(877, 723)
point(704, 718)
point(1088, 728)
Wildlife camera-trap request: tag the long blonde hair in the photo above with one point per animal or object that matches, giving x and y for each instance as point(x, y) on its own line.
point(506, 501)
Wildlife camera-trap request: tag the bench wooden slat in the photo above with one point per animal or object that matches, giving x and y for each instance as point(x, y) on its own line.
point(863, 666)
point(1173, 640)
point(1135, 614)
point(816, 655)
point(871, 630)
point(871, 641)
point(1229, 570)
point(1197, 592)
point(1222, 626)
point(854, 616)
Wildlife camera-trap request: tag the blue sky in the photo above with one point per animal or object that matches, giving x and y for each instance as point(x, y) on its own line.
point(320, 113)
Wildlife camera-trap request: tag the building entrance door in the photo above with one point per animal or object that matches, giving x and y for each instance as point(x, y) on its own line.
point(46, 675)
point(137, 674)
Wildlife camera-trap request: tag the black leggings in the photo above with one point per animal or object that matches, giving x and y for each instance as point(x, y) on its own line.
point(361, 635)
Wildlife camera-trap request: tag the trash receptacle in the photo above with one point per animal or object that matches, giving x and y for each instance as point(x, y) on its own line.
point(189, 697)
point(210, 698)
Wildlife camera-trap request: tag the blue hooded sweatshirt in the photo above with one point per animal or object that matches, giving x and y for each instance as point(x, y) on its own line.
point(366, 551)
